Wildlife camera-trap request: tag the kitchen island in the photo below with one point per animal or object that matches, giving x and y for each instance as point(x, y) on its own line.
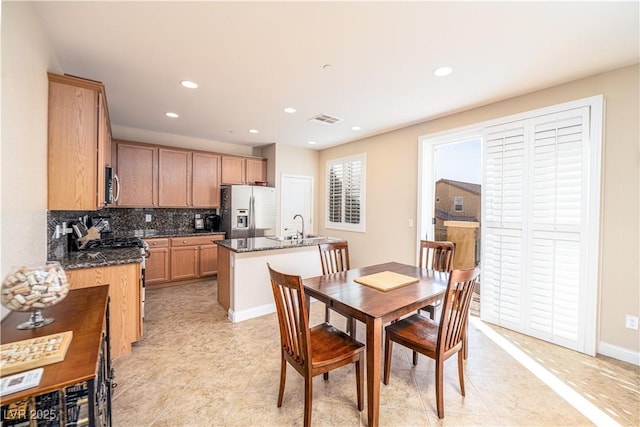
point(244, 289)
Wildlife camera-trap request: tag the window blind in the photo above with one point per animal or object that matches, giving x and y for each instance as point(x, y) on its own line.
point(534, 208)
point(345, 193)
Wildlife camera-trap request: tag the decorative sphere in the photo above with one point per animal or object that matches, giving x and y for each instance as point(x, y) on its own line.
point(29, 288)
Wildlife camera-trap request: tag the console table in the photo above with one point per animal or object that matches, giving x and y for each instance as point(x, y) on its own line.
point(76, 391)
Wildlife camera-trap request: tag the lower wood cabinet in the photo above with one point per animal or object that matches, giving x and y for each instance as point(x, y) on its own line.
point(181, 258)
point(125, 294)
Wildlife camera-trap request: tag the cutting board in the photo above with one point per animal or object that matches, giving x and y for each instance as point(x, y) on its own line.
point(386, 280)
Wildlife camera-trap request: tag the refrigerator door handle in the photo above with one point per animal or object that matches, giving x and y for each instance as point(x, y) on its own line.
point(252, 216)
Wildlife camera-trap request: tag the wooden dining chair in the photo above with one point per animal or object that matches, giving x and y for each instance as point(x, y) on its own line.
point(311, 351)
point(438, 341)
point(436, 256)
point(334, 257)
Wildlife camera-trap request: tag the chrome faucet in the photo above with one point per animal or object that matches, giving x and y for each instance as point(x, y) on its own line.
point(302, 232)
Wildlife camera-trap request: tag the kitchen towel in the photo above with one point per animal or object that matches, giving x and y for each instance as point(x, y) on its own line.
point(386, 280)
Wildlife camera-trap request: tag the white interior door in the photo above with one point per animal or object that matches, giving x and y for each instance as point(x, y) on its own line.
point(296, 198)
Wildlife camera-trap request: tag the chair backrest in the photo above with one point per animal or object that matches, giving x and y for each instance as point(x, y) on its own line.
point(334, 257)
point(455, 309)
point(437, 255)
point(291, 306)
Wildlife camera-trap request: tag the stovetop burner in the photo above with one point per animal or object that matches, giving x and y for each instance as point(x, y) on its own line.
point(114, 242)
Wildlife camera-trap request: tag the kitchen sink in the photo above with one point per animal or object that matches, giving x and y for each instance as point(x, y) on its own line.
point(309, 237)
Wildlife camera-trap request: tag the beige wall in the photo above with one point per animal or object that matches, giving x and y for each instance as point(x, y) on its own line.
point(392, 171)
point(26, 58)
point(297, 161)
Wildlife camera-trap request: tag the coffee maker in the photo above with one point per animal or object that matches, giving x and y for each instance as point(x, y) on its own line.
point(212, 222)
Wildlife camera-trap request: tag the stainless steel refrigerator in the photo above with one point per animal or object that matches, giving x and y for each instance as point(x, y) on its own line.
point(247, 211)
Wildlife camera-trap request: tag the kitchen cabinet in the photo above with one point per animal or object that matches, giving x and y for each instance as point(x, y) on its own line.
point(256, 170)
point(81, 384)
point(205, 187)
point(78, 141)
point(233, 170)
point(194, 256)
point(174, 178)
point(137, 170)
point(243, 170)
point(125, 288)
point(157, 265)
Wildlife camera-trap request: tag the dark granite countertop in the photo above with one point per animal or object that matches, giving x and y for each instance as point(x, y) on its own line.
point(156, 234)
point(100, 258)
point(266, 244)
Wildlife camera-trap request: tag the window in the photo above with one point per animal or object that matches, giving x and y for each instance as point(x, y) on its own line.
point(345, 193)
point(457, 203)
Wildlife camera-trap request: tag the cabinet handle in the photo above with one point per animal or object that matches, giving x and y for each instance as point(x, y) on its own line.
point(154, 243)
point(117, 180)
point(184, 241)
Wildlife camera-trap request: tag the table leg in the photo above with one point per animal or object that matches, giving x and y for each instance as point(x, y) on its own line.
point(374, 358)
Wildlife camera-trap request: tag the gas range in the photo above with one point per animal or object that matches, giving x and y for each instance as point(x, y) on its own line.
point(114, 243)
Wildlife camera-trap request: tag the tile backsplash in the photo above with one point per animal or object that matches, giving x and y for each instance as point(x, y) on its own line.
point(125, 222)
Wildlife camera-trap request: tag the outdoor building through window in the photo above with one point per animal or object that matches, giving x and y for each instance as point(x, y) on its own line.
point(345, 193)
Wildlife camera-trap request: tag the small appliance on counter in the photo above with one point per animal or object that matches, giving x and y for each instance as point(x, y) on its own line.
point(199, 223)
point(212, 222)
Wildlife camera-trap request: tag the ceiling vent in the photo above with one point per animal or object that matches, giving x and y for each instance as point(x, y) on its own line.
point(325, 119)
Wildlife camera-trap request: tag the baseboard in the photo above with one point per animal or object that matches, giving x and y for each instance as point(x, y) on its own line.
point(619, 353)
point(239, 316)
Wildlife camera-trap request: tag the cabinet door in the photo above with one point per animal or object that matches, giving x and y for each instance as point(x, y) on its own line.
point(72, 145)
point(124, 282)
point(208, 260)
point(184, 262)
point(233, 170)
point(157, 265)
point(137, 172)
point(256, 170)
point(205, 189)
point(174, 173)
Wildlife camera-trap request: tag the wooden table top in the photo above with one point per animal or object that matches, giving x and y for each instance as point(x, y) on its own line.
point(361, 301)
point(83, 312)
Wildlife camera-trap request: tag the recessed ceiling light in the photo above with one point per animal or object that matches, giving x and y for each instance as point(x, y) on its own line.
point(172, 115)
point(189, 84)
point(253, 131)
point(290, 110)
point(356, 128)
point(442, 71)
point(311, 142)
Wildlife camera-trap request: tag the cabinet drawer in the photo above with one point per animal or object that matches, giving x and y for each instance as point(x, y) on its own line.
point(157, 243)
point(194, 240)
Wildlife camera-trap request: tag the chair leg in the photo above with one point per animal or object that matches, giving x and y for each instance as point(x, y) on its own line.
point(439, 387)
point(388, 346)
point(283, 377)
point(360, 383)
point(308, 397)
point(415, 358)
point(461, 370)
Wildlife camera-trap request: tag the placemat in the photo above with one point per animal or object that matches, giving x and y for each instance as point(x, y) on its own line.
point(386, 280)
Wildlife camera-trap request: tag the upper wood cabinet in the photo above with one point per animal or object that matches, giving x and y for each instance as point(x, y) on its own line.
point(256, 170)
point(137, 170)
point(205, 186)
point(174, 178)
point(78, 143)
point(243, 170)
point(233, 170)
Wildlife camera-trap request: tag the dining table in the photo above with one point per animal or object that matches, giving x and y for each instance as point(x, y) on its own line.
point(374, 307)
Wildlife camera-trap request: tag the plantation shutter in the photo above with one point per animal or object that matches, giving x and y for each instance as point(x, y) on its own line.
point(535, 196)
point(345, 198)
point(503, 198)
point(559, 184)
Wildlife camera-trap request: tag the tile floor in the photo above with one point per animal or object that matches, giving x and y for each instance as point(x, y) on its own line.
point(194, 368)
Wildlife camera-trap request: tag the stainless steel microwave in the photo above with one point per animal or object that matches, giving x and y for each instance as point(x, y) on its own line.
point(111, 186)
